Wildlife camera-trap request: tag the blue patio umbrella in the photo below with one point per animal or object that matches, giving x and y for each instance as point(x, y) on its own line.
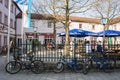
point(109, 33)
point(74, 33)
point(90, 33)
point(78, 33)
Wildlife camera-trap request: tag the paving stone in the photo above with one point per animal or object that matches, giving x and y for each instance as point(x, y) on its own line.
point(49, 75)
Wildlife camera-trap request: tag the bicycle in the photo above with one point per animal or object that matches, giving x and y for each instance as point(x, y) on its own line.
point(75, 65)
point(36, 66)
point(102, 63)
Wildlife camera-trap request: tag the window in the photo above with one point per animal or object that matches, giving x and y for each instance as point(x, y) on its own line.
point(12, 8)
point(5, 40)
point(14, 24)
point(6, 3)
point(32, 23)
point(80, 26)
point(115, 28)
point(0, 17)
point(5, 20)
point(49, 24)
point(19, 42)
point(48, 40)
point(15, 10)
point(11, 23)
point(1, 1)
point(0, 41)
point(93, 27)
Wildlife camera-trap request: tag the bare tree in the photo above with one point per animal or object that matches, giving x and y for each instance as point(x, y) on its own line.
point(109, 9)
point(61, 10)
point(106, 9)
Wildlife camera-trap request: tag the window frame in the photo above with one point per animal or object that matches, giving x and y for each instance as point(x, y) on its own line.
point(93, 27)
point(15, 10)
point(0, 16)
point(11, 8)
point(6, 19)
point(1, 1)
point(6, 2)
point(80, 26)
point(49, 24)
point(115, 27)
point(0, 40)
point(32, 23)
point(5, 40)
point(11, 23)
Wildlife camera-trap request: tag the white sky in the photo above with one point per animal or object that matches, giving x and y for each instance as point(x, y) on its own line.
point(86, 14)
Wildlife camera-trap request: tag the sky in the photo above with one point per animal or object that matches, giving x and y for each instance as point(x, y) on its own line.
point(86, 14)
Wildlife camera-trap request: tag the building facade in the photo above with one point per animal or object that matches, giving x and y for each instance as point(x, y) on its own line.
point(45, 28)
point(4, 21)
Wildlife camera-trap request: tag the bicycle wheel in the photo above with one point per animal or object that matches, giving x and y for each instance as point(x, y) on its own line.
point(108, 66)
point(86, 68)
point(78, 67)
point(37, 67)
point(13, 67)
point(59, 67)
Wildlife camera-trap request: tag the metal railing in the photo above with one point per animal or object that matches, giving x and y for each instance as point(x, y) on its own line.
point(51, 53)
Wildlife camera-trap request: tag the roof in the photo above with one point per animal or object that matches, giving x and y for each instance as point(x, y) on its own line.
point(72, 18)
point(115, 20)
point(84, 19)
point(37, 16)
point(17, 6)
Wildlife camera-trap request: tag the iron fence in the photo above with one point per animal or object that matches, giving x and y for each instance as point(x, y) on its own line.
point(82, 51)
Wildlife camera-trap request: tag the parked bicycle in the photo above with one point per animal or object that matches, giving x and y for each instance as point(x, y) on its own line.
point(102, 63)
point(73, 64)
point(36, 66)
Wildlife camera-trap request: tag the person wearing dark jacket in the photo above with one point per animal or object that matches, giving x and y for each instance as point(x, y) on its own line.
point(99, 47)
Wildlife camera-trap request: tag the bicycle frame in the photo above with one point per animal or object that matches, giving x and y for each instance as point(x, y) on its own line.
point(101, 62)
point(70, 63)
point(27, 64)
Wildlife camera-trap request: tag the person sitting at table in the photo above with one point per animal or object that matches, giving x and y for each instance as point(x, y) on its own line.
point(100, 49)
point(88, 47)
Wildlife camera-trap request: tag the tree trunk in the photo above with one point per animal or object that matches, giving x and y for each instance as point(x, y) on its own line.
point(107, 38)
point(54, 31)
point(66, 49)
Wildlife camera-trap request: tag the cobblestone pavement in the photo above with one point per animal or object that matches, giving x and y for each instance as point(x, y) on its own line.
point(49, 75)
